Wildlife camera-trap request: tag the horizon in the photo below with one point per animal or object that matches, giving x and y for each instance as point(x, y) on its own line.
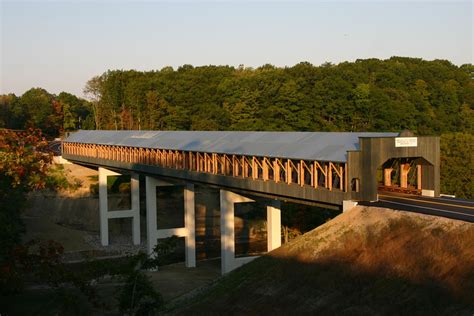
point(84, 96)
point(78, 41)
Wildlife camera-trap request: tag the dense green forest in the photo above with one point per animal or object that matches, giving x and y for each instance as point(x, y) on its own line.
point(37, 108)
point(367, 95)
point(427, 97)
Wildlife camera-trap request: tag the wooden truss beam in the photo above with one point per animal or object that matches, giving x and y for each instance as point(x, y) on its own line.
point(252, 167)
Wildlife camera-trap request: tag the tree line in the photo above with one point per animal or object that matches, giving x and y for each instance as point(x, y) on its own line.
point(427, 97)
point(53, 114)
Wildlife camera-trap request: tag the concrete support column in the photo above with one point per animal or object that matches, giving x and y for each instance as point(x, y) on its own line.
point(151, 228)
point(189, 223)
point(135, 188)
point(188, 231)
point(103, 205)
point(228, 260)
point(387, 177)
point(274, 225)
point(105, 214)
point(404, 168)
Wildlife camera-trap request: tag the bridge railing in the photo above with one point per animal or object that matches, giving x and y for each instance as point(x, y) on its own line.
point(317, 174)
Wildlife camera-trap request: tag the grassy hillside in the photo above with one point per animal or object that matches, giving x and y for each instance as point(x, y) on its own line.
point(366, 261)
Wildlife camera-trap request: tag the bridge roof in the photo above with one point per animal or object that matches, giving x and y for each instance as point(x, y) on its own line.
point(321, 146)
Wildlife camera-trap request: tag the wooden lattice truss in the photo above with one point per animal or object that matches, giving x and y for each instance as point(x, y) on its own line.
point(322, 174)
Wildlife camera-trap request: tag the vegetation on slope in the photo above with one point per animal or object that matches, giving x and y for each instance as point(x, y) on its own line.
point(367, 261)
point(457, 164)
point(24, 167)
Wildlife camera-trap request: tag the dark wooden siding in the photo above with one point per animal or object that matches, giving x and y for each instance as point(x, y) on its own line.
point(375, 151)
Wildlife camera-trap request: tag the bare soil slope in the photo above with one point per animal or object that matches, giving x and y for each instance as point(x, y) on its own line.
point(368, 261)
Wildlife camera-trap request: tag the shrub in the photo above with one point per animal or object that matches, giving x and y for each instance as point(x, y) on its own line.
point(94, 189)
point(138, 297)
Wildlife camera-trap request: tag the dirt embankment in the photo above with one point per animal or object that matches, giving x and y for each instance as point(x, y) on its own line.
point(368, 261)
point(74, 208)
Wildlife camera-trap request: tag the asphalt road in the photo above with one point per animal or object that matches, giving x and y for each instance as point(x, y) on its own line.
point(443, 206)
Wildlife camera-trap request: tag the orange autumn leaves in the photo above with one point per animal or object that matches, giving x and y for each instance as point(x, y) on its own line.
point(24, 159)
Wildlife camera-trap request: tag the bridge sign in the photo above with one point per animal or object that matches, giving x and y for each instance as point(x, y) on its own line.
point(406, 142)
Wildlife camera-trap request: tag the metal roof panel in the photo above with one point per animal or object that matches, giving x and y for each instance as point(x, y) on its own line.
point(323, 146)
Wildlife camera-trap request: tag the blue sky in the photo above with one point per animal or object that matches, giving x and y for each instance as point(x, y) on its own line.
point(61, 45)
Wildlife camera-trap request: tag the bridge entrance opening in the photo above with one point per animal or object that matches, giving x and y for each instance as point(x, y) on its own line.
point(402, 175)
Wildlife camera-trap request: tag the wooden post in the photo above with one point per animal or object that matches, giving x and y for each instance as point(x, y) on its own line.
point(276, 170)
point(387, 177)
point(234, 167)
point(289, 170)
point(346, 182)
point(209, 163)
point(265, 169)
point(330, 178)
point(214, 164)
point(341, 178)
point(404, 169)
point(254, 169)
point(315, 166)
point(203, 163)
point(418, 177)
point(198, 162)
point(227, 166)
point(301, 173)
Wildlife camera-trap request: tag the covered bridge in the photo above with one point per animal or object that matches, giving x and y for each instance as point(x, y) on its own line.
point(318, 167)
point(326, 169)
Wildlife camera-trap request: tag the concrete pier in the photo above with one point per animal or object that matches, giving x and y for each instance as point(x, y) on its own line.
point(228, 200)
point(188, 231)
point(273, 225)
point(105, 214)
